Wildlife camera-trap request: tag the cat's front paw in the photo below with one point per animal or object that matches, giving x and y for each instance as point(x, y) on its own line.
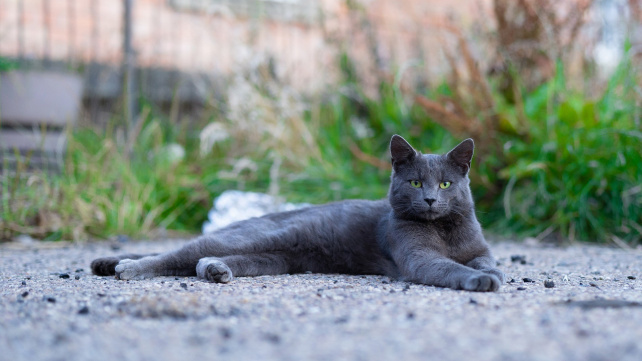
point(483, 282)
point(104, 266)
point(129, 269)
point(494, 271)
point(214, 270)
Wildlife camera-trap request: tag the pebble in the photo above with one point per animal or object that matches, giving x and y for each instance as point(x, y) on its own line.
point(521, 288)
point(184, 285)
point(631, 277)
point(518, 258)
point(24, 283)
point(84, 310)
point(526, 279)
point(64, 275)
point(549, 284)
point(49, 299)
point(24, 294)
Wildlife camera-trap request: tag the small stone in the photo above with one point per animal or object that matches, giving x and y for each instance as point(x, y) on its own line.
point(24, 283)
point(24, 294)
point(83, 311)
point(526, 279)
point(549, 284)
point(518, 258)
point(77, 277)
point(473, 301)
point(225, 332)
point(184, 285)
point(273, 338)
point(121, 238)
point(521, 288)
point(64, 276)
point(340, 320)
point(512, 280)
point(50, 299)
point(79, 270)
point(631, 277)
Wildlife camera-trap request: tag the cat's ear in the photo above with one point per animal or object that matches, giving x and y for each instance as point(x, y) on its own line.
point(400, 150)
point(462, 155)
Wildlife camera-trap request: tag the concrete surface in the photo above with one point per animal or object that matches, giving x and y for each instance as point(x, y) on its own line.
point(52, 308)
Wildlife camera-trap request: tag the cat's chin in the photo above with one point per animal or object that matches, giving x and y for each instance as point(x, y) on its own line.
point(432, 215)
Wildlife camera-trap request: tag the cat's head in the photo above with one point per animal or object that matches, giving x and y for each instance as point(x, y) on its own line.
point(430, 186)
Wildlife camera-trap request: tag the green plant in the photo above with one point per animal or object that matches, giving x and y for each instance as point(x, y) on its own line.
point(577, 173)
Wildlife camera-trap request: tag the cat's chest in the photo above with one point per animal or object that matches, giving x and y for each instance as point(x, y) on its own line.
point(458, 244)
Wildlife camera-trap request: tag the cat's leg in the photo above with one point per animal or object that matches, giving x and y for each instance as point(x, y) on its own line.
point(433, 269)
point(487, 264)
point(106, 266)
point(223, 269)
point(180, 262)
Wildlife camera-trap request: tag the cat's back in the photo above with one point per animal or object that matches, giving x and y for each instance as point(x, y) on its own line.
point(331, 218)
point(341, 213)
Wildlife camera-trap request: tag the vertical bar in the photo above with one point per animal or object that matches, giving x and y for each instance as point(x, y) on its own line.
point(93, 61)
point(71, 31)
point(94, 30)
point(46, 33)
point(21, 31)
point(128, 65)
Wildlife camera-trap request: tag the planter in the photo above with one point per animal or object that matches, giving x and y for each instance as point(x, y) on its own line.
point(35, 108)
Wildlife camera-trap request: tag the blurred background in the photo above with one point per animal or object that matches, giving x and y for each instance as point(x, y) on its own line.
point(128, 117)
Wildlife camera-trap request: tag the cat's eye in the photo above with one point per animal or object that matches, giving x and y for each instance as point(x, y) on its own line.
point(415, 183)
point(444, 185)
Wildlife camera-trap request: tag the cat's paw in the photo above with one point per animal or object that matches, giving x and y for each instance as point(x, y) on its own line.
point(129, 269)
point(105, 266)
point(483, 282)
point(213, 270)
point(494, 271)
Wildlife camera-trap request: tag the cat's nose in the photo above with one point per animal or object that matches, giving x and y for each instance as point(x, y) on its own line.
point(430, 201)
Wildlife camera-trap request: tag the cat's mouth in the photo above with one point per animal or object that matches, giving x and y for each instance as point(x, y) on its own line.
point(432, 214)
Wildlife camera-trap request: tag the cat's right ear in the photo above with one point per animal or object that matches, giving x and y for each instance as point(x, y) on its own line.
point(401, 151)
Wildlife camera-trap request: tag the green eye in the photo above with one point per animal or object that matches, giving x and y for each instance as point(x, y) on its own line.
point(444, 185)
point(415, 183)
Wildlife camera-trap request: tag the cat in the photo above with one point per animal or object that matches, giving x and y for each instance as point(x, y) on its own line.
point(425, 232)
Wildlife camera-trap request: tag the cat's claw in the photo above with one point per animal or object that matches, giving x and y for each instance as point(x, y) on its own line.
point(213, 270)
point(482, 283)
point(129, 269)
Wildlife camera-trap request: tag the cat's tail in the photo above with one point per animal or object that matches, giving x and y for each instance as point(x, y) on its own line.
point(106, 266)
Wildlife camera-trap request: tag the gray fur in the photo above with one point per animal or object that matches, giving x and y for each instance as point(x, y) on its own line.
point(419, 234)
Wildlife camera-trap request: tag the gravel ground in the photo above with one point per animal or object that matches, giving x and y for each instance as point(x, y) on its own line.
point(52, 308)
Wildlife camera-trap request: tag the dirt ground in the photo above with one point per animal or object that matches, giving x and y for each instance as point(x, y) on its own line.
point(580, 302)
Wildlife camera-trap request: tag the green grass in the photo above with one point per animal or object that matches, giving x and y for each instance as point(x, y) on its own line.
point(562, 163)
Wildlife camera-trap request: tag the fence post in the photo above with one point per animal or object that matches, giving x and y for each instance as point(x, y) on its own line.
point(129, 60)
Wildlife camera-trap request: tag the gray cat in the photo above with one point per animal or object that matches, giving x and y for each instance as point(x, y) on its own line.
point(425, 232)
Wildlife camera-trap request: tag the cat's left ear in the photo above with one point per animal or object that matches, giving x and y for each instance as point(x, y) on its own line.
point(462, 155)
